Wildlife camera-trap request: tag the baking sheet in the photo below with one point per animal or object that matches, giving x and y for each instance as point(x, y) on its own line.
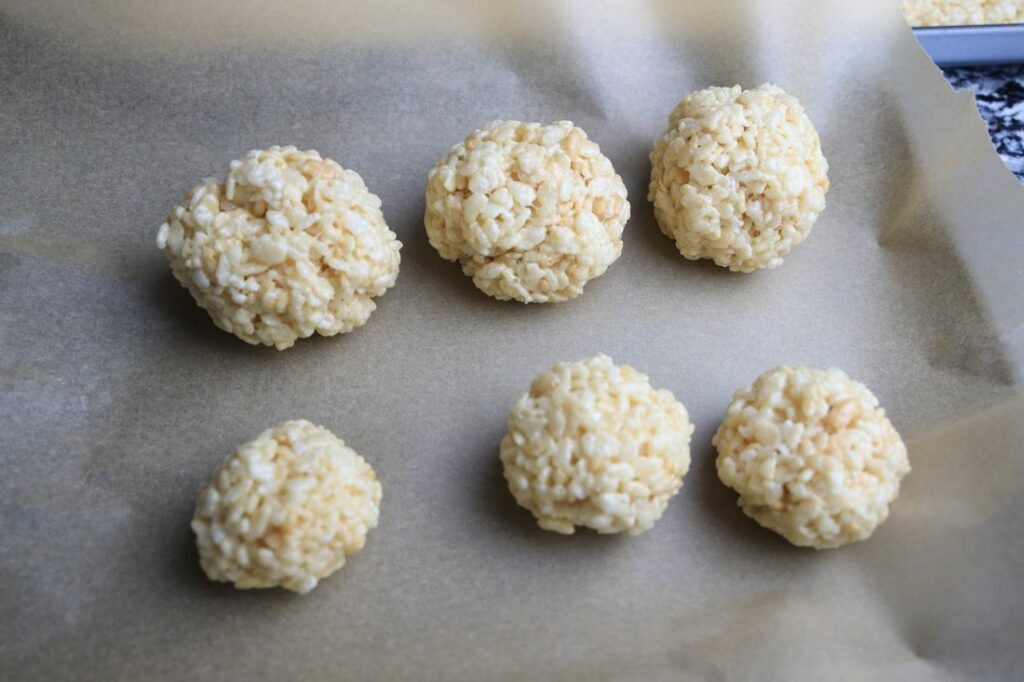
point(118, 396)
point(973, 45)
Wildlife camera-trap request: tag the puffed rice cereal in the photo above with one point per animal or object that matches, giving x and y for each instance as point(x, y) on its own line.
point(285, 509)
point(289, 245)
point(532, 212)
point(812, 456)
point(738, 176)
point(593, 444)
point(962, 12)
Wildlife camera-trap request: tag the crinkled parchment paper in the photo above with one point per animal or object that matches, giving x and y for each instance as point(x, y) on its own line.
point(118, 396)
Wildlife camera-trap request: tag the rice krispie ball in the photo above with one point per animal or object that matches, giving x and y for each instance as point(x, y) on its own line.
point(738, 176)
point(289, 245)
point(812, 456)
point(532, 212)
point(285, 509)
point(593, 444)
point(962, 12)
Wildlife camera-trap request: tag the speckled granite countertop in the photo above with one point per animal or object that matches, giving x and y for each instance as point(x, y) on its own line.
point(1000, 94)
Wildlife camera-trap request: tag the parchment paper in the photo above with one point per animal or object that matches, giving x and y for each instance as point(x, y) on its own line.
point(118, 396)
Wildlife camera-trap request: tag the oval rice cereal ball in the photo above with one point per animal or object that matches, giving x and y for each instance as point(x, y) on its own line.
point(738, 177)
point(593, 444)
point(812, 456)
point(532, 212)
point(289, 245)
point(285, 509)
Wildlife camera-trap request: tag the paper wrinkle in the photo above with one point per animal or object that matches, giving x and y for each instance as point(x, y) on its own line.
point(16, 225)
point(760, 624)
point(963, 496)
point(118, 396)
point(36, 594)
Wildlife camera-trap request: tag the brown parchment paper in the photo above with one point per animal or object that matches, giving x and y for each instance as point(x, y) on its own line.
point(118, 396)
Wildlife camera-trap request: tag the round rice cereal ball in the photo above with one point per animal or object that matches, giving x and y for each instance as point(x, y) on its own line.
point(812, 456)
point(738, 176)
point(593, 444)
point(285, 509)
point(532, 212)
point(289, 245)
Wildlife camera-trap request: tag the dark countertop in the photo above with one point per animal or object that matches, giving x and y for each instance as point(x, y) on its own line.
point(1000, 94)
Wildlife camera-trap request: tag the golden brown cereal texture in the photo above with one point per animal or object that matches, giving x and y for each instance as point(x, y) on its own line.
point(962, 12)
point(738, 176)
point(532, 212)
point(289, 245)
point(593, 444)
point(285, 509)
point(812, 456)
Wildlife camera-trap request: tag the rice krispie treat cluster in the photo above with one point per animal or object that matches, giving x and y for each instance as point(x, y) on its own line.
point(291, 244)
point(532, 212)
point(738, 176)
point(593, 444)
point(812, 456)
point(288, 245)
point(285, 509)
point(962, 12)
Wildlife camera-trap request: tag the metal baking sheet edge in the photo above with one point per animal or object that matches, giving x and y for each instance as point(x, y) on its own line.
point(972, 45)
